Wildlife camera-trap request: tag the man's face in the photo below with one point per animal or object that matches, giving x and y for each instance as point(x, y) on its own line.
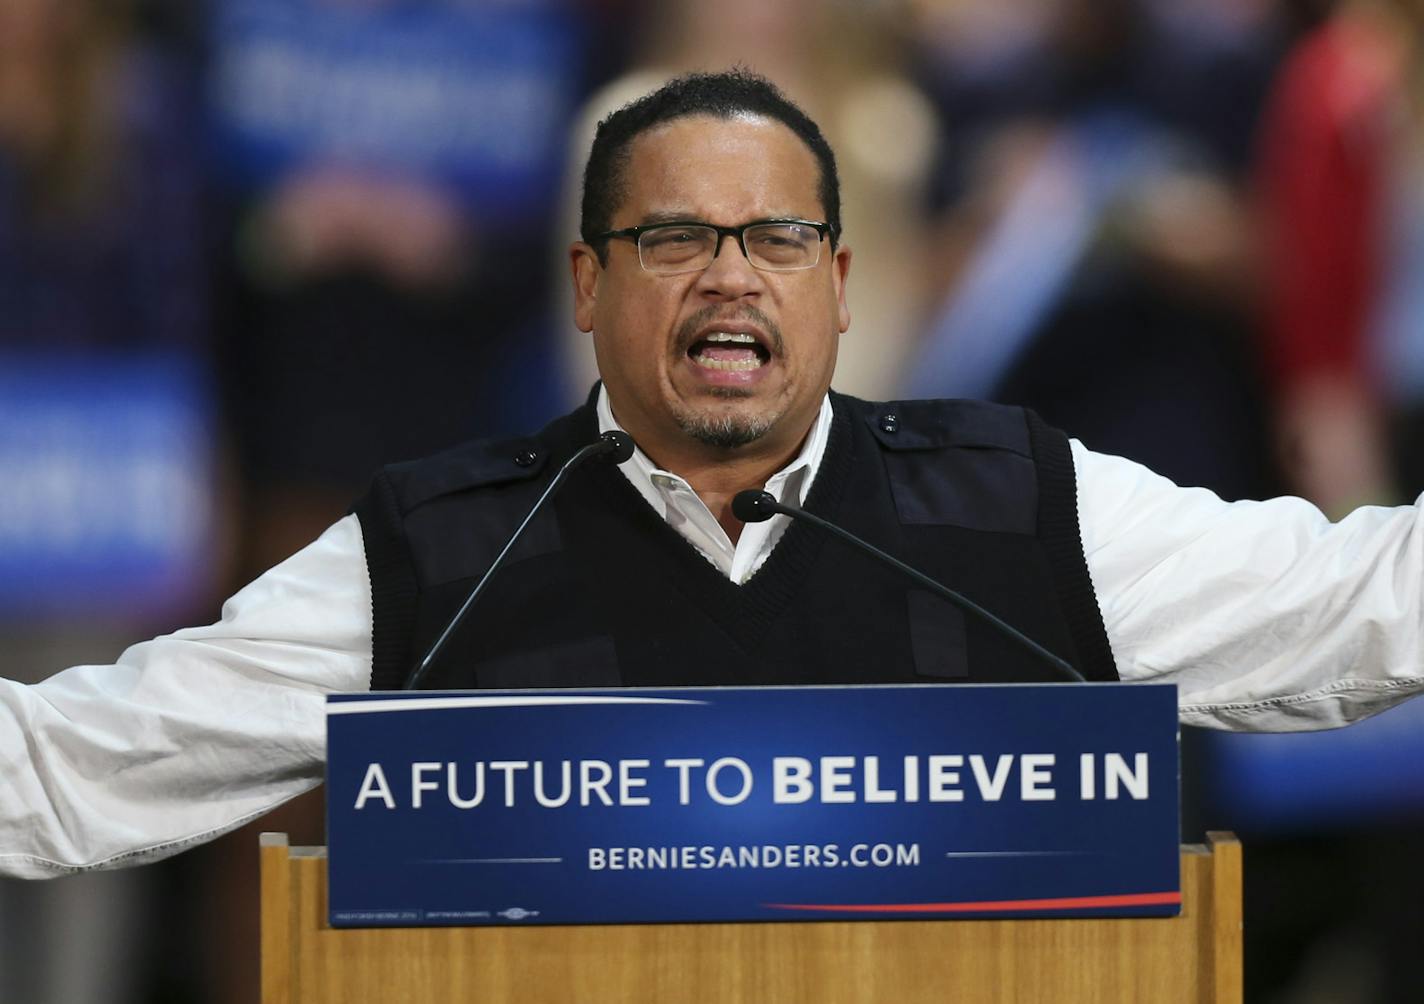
point(671, 348)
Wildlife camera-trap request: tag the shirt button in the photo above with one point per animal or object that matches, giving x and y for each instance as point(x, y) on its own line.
point(890, 423)
point(526, 459)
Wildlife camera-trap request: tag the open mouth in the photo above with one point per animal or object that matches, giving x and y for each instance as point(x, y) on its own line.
point(728, 350)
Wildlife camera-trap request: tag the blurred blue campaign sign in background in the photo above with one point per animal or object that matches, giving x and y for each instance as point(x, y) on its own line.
point(475, 94)
point(105, 484)
point(1369, 773)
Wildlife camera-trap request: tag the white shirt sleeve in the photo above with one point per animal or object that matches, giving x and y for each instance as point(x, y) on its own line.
point(1266, 615)
point(189, 735)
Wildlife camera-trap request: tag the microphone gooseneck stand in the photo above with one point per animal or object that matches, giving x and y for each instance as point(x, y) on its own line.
point(755, 506)
point(614, 447)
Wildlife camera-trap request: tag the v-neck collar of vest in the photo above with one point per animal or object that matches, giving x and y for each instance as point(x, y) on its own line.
point(745, 610)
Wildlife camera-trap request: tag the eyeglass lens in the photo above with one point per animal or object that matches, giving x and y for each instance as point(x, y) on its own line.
point(777, 247)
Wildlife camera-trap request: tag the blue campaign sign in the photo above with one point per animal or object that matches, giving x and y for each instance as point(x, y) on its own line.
point(777, 803)
point(1365, 775)
point(105, 484)
point(476, 96)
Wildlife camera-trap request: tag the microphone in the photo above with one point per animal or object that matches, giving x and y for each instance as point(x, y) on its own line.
point(755, 506)
point(614, 447)
point(617, 447)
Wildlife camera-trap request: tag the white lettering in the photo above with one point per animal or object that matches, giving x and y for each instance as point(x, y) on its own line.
point(452, 786)
point(943, 781)
point(627, 782)
point(1034, 777)
point(374, 786)
point(836, 779)
point(508, 768)
point(589, 786)
point(418, 784)
point(791, 780)
point(991, 789)
point(873, 791)
point(1087, 777)
point(1134, 780)
point(740, 766)
point(912, 779)
point(683, 765)
point(566, 787)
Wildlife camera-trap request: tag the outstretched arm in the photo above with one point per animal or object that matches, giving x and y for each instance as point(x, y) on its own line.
point(189, 735)
point(1266, 615)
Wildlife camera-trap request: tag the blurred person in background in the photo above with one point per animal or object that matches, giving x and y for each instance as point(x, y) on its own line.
point(107, 527)
point(387, 176)
point(1340, 180)
point(1101, 263)
point(845, 64)
point(99, 193)
point(387, 171)
point(1092, 249)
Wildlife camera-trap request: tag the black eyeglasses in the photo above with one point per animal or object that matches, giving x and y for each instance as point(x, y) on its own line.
point(772, 245)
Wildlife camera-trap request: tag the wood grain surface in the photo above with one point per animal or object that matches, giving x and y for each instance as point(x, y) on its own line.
point(1194, 957)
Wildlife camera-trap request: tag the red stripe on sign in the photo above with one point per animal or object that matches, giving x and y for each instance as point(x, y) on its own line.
point(1065, 903)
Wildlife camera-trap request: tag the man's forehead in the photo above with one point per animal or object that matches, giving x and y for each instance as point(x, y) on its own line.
point(696, 164)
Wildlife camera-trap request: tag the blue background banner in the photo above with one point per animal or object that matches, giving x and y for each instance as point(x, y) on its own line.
point(477, 95)
point(1267, 784)
point(752, 804)
point(105, 484)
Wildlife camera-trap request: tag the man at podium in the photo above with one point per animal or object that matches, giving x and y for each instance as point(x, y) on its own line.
point(711, 275)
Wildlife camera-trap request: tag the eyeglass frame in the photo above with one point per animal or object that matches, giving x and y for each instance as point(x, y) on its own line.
point(635, 234)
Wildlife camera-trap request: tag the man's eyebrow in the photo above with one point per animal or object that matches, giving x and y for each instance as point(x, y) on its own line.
point(674, 216)
point(666, 216)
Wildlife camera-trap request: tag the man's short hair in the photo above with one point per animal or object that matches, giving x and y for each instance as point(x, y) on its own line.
point(721, 95)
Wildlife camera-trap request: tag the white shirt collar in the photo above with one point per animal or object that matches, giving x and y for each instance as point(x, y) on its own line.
point(673, 499)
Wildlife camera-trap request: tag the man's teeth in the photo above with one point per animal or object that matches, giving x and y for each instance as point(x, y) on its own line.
point(747, 360)
point(727, 364)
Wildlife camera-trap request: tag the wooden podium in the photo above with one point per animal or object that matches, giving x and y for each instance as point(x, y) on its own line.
point(1193, 957)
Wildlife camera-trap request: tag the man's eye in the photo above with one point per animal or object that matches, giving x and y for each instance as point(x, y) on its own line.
point(672, 238)
point(781, 245)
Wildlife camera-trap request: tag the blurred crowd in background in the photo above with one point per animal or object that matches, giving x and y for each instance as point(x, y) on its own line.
point(252, 249)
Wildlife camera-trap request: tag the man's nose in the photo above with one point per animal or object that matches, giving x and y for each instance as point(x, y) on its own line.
point(730, 275)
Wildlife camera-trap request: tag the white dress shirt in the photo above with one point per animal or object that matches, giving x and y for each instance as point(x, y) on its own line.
point(1264, 614)
point(674, 500)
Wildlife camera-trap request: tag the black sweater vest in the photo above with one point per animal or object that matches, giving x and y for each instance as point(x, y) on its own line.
point(601, 592)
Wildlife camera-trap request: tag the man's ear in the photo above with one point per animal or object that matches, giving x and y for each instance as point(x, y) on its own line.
point(583, 261)
point(840, 273)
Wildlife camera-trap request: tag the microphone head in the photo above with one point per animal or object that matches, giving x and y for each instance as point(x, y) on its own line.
point(620, 446)
point(753, 506)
